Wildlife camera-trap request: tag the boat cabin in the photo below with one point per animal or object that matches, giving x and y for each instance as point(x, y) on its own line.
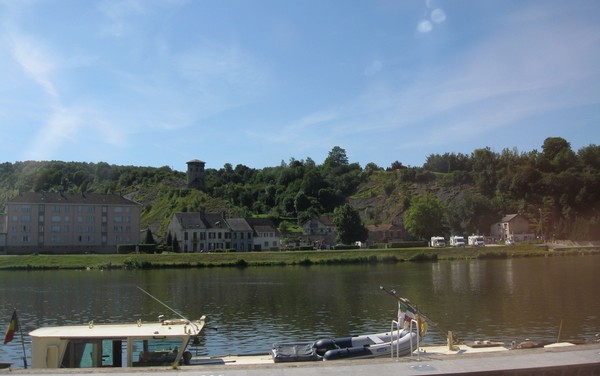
point(137, 344)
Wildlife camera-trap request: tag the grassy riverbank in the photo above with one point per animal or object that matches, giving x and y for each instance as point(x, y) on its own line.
point(201, 260)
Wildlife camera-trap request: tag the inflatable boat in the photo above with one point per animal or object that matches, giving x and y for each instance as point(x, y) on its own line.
point(362, 346)
point(368, 346)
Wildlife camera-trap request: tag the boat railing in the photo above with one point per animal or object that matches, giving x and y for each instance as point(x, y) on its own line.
point(398, 327)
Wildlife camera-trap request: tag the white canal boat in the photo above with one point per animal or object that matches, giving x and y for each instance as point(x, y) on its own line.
point(138, 344)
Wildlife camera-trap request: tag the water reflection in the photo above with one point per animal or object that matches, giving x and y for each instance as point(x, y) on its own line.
point(249, 309)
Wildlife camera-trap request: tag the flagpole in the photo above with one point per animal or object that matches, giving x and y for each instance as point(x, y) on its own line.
point(22, 342)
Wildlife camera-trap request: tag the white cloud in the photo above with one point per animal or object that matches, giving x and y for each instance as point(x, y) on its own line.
point(438, 15)
point(118, 14)
point(35, 60)
point(424, 26)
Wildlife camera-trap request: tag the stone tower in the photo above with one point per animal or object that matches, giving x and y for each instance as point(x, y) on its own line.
point(195, 174)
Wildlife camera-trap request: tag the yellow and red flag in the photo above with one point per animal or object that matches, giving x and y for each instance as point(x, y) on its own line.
point(12, 327)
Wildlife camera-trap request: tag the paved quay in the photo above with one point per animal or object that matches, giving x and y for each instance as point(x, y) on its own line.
point(573, 360)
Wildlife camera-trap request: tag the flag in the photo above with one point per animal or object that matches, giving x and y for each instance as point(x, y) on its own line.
point(406, 312)
point(13, 326)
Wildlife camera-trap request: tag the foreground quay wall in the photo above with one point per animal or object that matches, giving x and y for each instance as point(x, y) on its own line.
point(555, 361)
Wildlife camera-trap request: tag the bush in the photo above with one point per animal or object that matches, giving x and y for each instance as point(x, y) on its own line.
point(414, 244)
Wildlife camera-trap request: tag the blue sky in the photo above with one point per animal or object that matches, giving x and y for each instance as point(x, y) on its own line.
point(254, 82)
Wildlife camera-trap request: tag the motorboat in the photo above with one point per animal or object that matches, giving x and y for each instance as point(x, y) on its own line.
point(135, 344)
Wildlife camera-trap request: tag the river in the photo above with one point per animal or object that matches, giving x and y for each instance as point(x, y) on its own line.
point(248, 309)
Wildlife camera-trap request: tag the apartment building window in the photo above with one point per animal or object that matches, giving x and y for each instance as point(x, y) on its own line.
point(118, 209)
point(67, 218)
point(40, 228)
point(118, 219)
point(55, 228)
point(25, 238)
point(26, 208)
point(55, 218)
point(185, 236)
point(56, 208)
point(41, 208)
point(41, 218)
point(15, 218)
point(26, 228)
point(104, 209)
point(66, 208)
point(26, 218)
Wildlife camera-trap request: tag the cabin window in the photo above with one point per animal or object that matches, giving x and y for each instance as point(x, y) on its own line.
point(155, 352)
point(93, 353)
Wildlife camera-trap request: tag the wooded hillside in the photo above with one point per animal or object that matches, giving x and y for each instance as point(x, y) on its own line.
point(557, 188)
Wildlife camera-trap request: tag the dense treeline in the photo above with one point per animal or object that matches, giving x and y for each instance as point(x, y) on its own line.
point(557, 189)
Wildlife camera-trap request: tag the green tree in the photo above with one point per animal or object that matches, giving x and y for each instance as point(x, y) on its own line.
point(425, 216)
point(169, 239)
point(149, 239)
point(175, 244)
point(337, 157)
point(348, 225)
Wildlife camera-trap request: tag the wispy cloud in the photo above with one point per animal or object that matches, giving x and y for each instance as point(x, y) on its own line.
point(35, 60)
point(506, 80)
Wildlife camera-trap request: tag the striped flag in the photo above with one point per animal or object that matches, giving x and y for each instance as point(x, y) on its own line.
point(12, 327)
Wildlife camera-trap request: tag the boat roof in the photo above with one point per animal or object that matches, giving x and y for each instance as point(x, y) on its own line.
point(168, 328)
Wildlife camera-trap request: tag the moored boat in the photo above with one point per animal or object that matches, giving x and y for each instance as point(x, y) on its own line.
point(135, 344)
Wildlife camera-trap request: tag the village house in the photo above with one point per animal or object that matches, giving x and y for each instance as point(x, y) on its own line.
point(53, 222)
point(266, 236)
point(512, 227)
point(386, 233)
point(320, 232)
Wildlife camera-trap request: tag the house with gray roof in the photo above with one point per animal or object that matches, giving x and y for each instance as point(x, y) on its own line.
point(266, 237)
point(512, 227)
point(210, 232)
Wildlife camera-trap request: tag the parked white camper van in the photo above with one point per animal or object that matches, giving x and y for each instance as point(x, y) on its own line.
point(437, 241)
point(476, 241)
point(457, 241)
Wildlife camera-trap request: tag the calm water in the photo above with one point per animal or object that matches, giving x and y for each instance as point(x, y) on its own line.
point(249, 309)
